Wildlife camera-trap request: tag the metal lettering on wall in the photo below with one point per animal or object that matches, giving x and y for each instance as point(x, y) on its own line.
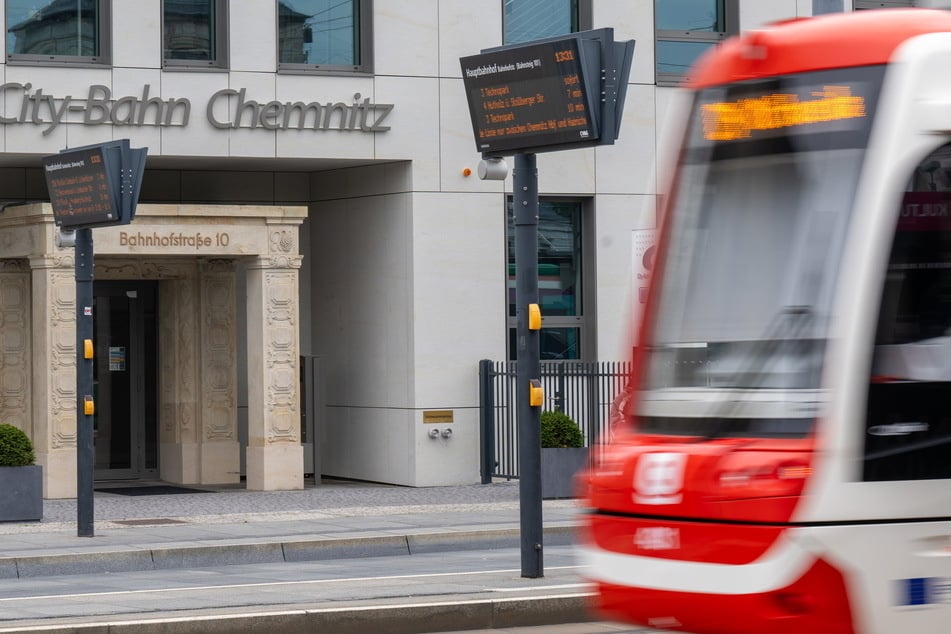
point(175, 239)
point(226, 109)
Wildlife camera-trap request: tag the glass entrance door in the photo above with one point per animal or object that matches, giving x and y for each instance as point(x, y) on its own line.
point(125, 380)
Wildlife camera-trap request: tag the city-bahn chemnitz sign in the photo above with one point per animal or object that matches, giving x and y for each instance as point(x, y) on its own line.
point(226, 109)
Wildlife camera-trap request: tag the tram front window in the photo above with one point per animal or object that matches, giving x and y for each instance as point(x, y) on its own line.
point(764, 196)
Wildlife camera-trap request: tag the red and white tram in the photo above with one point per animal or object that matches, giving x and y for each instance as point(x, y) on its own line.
point(784, 462)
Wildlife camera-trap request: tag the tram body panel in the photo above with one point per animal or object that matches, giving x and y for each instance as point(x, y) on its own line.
point(902, 578)
point(904, 584)
point(761, 499)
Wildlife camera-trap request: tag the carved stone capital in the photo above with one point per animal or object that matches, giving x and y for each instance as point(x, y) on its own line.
point(216, 265)
point(276, 262)
point(58, 260)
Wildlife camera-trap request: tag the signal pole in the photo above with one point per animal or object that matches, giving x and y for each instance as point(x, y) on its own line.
point(85, 453)
point(528, 364)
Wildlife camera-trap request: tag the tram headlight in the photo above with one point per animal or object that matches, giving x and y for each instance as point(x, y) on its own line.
point(750, 475)
point(794, 472)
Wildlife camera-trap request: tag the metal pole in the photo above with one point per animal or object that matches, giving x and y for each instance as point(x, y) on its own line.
point(486, 421)
point(525, 184)
point(85, 455)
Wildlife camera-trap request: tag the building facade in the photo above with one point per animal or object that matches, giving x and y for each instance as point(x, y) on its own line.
point(314, 270)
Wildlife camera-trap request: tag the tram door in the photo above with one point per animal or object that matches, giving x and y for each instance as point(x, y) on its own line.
point(125, 380)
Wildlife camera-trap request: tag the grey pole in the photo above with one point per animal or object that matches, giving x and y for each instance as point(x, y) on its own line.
point(528, 368)
point(486, 421)
point(84, 383)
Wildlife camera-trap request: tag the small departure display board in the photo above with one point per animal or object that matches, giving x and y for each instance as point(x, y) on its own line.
point(80, 188)
point(530, 98)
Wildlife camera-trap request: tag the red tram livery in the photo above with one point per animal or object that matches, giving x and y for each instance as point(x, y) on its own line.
point(784, 460)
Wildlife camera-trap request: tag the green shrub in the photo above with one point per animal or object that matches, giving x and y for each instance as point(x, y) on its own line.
point(560, 430)
point(16, 450)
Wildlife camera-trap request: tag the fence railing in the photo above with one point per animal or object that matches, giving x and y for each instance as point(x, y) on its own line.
point(582, 390)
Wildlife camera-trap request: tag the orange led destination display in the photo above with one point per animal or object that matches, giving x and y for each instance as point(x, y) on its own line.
point(529, 97)
point(740, 119)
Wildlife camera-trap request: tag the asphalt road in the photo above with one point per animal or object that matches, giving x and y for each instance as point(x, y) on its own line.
point(204, 595)
point(341, 557)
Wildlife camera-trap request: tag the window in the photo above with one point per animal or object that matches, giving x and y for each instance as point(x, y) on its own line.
point(687, 28)
point(559, 279)
point(527, 20)
point(908, 418)
point(324, 35)
point(58, 32)
point(821, 7)
point(194, 33)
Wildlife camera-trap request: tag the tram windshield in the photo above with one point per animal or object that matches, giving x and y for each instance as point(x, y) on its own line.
point(765, 191)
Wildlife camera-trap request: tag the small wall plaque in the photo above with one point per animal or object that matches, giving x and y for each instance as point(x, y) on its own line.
point(437, 416)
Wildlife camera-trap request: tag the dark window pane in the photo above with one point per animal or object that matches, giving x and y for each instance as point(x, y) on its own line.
point(677, 57)
point(319, 32)
point(60, 27)
point(189, 29)
point(689, 15)
point(908, 420)
point(554, 344)
point(559, 258)
point(560, 343)
point(527, 20)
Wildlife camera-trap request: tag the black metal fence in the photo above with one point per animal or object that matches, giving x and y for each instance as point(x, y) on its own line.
point(582, 390)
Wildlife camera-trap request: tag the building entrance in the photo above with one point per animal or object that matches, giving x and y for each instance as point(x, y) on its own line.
point(216, 288)
point(125, 380)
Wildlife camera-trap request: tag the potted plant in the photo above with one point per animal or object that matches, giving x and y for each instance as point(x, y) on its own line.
point(563, 454)
point(21, 481)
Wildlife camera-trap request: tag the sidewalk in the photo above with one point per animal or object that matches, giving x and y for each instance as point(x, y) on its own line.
point(230, 525)
point(333, 521)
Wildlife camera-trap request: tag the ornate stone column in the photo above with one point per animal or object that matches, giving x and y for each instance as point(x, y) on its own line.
point(275, 459)
point(179, 391)
point(220, 450)
point(54, 372)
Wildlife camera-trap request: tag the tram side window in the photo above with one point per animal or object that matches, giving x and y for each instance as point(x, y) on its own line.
point(908, 420)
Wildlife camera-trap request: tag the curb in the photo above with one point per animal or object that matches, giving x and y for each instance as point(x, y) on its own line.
point(419, 618)
point(320, 549)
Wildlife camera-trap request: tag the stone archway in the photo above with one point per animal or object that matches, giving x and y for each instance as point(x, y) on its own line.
point(193, 252)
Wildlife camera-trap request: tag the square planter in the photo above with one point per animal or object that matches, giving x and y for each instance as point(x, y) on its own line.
point(21, 493)
point(559, 466)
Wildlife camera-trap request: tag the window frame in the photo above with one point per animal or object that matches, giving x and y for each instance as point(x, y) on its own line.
point(862, 5)
point(584, 19)
point(364, 43)
point(104, 58)
point(220, 48)
point(731, 14)
point(586, 281)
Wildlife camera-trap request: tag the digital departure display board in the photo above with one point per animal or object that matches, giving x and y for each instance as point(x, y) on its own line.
point(534, 97)
point(80, 189)
point(95, 185)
